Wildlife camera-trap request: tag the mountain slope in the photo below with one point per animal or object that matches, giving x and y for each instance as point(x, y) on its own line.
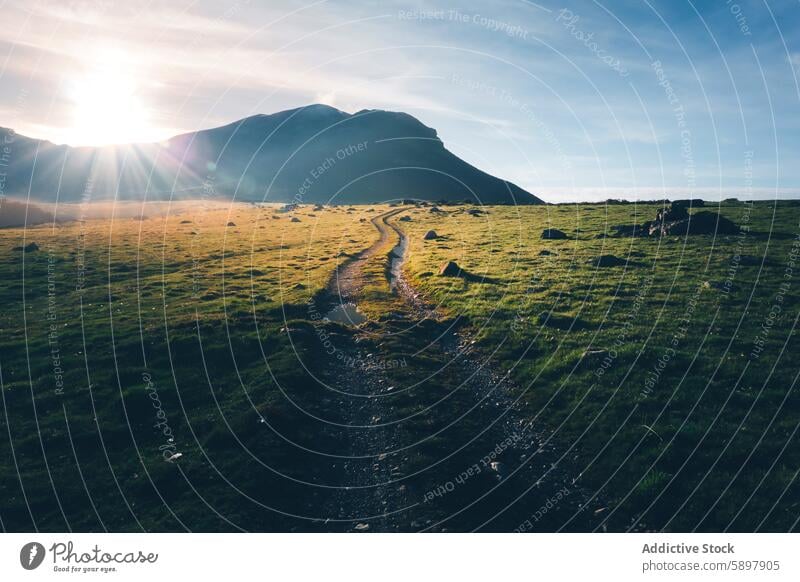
point(314, 154)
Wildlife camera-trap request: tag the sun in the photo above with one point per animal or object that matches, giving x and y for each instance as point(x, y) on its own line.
point(107, 106)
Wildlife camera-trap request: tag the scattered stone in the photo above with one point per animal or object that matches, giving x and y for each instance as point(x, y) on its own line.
point(676, 220)
point(430, 235)
point(450, 269)
point(404, 219)
point(231, 224)
point(294, 219)
point(607, 261)
point(545, 253)
point(475, 212)
point(318, 207)
point(436, 210)
point(553, 234)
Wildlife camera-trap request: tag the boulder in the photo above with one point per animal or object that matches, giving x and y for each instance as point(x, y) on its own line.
point(28, 248)
point(553, 234)
point(699, 223)
point(404, 219)
point(430, 235)
point(231, 224)
point(449, 269)
point(607, 261)
point(674, 212)
point(294, 219)
point(436, 210)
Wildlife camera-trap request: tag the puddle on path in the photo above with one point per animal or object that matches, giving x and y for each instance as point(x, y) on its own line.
point(347, 314)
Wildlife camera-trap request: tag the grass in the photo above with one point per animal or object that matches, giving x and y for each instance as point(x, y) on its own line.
point(197, 307)
point(647, 374)
point(667, 399)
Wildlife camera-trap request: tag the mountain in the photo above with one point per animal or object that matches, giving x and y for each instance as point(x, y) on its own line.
point(313, 154)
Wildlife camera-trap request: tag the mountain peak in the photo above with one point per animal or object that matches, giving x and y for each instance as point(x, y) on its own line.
point(315, 153)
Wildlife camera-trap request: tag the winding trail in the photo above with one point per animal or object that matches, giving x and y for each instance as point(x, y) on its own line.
point(347, 281)
point(439, 441)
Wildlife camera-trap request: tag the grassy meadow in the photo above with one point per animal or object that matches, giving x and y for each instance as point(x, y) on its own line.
point(656, 377)
point(667, 384)
point(121, 334)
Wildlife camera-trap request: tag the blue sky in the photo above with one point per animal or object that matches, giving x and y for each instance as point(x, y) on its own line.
point(571, 100)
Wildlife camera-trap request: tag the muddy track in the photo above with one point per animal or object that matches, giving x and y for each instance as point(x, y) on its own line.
point(445, 444)
point(348, 279)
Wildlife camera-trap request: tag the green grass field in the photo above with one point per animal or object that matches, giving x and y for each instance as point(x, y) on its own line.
point(667, 385)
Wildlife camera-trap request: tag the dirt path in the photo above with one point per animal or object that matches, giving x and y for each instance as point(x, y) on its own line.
point(440, 441)
point(348, 280)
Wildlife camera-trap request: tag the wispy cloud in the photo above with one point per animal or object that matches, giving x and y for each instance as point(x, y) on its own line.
point(527, 83)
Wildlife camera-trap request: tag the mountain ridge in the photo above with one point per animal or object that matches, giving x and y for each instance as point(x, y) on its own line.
point(310, 154)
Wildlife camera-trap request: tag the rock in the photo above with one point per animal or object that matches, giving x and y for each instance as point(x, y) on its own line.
point(294, 219)
point(186, 222)
point(700, 223)
point(608, 261)
point(436, 210)
point(545, 253)
point(450, 269)
point(231, 224)
point(318, 207)
point(475, 212)
point(553, 234)
point(430, 235)
point(672, 213)
point(404, 219)
point(362, 527)
point(28, 248)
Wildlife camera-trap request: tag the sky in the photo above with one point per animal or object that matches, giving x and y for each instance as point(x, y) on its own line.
point(570, 100)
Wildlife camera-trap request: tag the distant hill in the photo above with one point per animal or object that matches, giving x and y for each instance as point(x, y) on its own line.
point(314, 154)
point(18, 213)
